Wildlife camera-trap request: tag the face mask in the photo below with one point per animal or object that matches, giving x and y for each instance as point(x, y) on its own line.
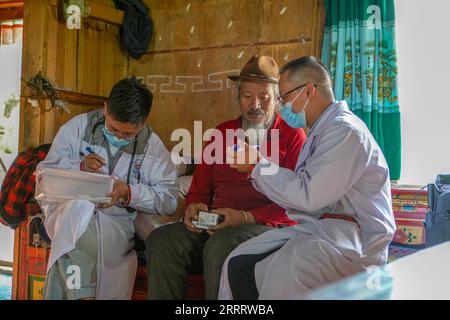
point(113, 140)
point(294, 120)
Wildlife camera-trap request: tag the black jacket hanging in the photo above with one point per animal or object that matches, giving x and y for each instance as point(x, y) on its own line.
point(137, 27)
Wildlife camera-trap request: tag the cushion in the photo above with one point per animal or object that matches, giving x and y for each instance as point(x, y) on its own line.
point(146, 223)
point(182, 164)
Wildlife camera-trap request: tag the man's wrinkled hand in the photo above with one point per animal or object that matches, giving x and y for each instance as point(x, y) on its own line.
point(232, 218)
point(191, 213)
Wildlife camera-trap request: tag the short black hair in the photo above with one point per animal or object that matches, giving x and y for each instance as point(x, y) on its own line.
point(130, 101)
point(305, 61)
point(309, 69)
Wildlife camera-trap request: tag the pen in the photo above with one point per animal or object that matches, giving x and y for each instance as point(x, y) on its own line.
point(88, 149)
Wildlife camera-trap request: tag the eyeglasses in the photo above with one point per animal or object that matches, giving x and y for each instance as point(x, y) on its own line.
point(282, 98)
point(125, 138)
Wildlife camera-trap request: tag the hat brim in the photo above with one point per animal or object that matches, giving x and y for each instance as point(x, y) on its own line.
point(254, 79)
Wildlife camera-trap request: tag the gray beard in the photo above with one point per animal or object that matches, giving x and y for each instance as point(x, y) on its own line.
point(256, 132)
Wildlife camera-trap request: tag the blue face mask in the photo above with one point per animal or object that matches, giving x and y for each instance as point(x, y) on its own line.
point(294, 120)
point(113, 140)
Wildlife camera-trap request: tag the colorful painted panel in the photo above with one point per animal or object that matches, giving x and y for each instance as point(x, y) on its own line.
point(36, 288)
point(410, 208)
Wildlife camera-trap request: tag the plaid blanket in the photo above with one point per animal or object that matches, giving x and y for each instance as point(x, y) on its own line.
point(18, 185)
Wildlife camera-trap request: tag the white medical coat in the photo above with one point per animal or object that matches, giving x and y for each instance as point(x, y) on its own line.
point(340, 170)
point(155, 193)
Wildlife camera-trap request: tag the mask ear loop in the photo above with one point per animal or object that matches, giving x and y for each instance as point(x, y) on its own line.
point(298, 95)
point(307, 101)
point(306, 104)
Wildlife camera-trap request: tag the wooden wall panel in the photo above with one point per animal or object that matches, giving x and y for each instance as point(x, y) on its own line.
point(34, 42)
point(106, 3)
point(100, 61)
point(34, 59)
point(61, 117)
point(198, 43)
point(61, 67)
point(183, 24)
point(192, 40)
point(198, 24)
point(318, 28)
point(88, 61)
point(287, 19)
point(189, 86)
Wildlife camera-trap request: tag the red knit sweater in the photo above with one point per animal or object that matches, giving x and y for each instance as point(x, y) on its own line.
point(220, 186)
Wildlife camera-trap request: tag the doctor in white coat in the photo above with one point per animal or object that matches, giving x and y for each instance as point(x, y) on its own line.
point(92, 254)
point(339, 193)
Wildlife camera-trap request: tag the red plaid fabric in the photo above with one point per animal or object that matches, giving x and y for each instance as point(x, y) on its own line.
point(18, 185)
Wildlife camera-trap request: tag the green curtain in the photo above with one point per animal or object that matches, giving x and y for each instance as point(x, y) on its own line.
point(359, 50)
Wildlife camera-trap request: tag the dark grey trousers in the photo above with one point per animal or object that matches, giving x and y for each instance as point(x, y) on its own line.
point(173, 252)
point(241, 275)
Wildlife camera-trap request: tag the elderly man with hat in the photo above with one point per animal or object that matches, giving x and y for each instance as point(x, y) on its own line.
point(176, 250)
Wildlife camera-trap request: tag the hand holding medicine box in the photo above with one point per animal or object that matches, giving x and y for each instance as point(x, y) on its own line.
point(206, 220)
point(239, 151)
point(60, 185)
point(238, 148)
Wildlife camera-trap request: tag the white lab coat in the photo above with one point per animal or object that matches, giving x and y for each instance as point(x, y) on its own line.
point(341, 170)
point(156, 192)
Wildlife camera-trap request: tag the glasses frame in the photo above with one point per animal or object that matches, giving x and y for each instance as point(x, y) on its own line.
point(127, 138)
point(283, 96)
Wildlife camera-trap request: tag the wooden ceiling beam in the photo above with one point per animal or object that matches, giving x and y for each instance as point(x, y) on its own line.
point(11, 4)
point(11, 14)
point(80, 98)
point(101, 12)
point(105, 14)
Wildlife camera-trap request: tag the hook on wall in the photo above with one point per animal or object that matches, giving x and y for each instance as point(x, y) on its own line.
point(92, 25)
point(39, 90)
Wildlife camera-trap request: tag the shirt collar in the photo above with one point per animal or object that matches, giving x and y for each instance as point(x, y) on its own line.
point(329, 111)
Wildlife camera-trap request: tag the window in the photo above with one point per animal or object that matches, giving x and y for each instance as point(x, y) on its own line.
point(423, 52)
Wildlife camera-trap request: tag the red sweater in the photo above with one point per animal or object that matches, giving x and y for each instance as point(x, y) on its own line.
point(220, 186)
